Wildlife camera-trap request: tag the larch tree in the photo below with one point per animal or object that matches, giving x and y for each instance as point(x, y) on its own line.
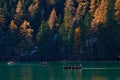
point(78, 15)
point(25, 43)
point(26, 30)
point(18, 17)
point(51, 1)
point(80, 11)
point(69, 13)
point(12, 25)
point(108, 35)
point(117, 11)
point(32, 9)
point(92, 6)
point(100, 14)
point(53, 20)
point(19, 7)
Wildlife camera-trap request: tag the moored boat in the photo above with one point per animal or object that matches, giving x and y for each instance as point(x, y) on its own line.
point(10, 63)
point(44, 63)
point(73, 67)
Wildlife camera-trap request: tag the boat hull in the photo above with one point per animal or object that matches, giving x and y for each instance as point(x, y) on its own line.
point(72, 67)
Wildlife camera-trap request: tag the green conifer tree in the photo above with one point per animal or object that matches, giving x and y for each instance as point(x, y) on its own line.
point(69, 13)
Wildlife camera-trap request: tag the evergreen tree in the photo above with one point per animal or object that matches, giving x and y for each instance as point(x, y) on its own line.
point(102, 37)
point(70, 41)
point(69, 13)
point(112, 46)
point(86, 35)
point(12, 40)
point(108, 44)
point(43, 39)
point(62, 40)
point(77, 40)
point(42, 15)
point(2, 18)
point(25, 44)
point(60, 19)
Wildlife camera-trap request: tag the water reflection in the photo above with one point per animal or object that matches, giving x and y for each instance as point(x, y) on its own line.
point(56, 72)
point(72, 74)
point(26, 73)
point(99, 78)
point(20, 73)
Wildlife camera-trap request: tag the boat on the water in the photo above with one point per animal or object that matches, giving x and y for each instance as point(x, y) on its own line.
point(73, 67)
point(10, 63)
point(44, 63)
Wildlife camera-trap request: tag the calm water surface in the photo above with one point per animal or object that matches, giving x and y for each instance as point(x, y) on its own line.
point(55, 71)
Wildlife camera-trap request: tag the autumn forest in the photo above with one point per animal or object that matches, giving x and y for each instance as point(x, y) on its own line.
point(37, 30)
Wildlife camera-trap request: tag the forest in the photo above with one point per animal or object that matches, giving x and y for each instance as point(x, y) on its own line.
point(54, 30)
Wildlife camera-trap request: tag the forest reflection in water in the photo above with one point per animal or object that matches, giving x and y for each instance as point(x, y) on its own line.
point(55, 71)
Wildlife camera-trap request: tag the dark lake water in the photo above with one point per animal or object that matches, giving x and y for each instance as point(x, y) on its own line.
point(55, 71)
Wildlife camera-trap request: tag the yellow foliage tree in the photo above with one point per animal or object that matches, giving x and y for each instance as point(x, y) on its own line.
point(25, 43)
point(33, 7)
point(26, 30)
point(100, 14)
point(93, 5)
point(81, 10)
point(117, 13)
point(19, 7)
point(78, 14)
point(12, 25)
point(19, 14)
point(53, 20)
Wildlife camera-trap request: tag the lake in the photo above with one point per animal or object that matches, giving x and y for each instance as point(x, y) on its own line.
point(55, 71)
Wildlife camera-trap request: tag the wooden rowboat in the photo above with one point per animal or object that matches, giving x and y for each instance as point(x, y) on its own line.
point(72, 67)
point(10, 63)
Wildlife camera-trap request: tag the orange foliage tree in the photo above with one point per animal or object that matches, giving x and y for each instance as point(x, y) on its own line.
point(33, 7)
point(18, 17)
point(81, 11)
point(100, 14)
point(26, 30)
point(117, 13)
point(12, 25)
point(25, 34)
point(53, 20)
point(19, 7)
